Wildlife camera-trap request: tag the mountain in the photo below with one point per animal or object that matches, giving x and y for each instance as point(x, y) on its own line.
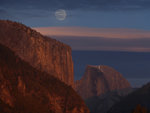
point(98, 80)
point(129, 103)
point(24, 89)
point(43, 53)
point(103, 103)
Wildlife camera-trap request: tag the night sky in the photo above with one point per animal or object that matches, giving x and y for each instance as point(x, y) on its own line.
point(88, 13)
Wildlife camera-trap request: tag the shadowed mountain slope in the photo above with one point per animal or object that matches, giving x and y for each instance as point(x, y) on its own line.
point(129, 103)
point(23, 89)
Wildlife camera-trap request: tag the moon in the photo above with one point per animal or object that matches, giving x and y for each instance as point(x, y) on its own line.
point(60, 14)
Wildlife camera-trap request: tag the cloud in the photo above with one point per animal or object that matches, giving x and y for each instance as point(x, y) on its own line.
point(100, 39)
point(110, 44)
point(94, 32)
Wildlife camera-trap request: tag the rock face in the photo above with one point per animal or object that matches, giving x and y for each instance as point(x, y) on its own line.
point(23, 89)
point(41, 52)
point(98, 80)
point(140, 97)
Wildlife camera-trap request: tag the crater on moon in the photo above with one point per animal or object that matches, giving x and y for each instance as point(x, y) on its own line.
point(60, 14)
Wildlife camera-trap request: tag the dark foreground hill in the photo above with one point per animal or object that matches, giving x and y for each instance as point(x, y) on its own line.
point(138, 98)
point(23, 89)
point(102, 104)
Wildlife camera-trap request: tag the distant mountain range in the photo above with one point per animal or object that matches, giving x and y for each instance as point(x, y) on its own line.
point(106, 91)
point(101, 87)
point(98, 80)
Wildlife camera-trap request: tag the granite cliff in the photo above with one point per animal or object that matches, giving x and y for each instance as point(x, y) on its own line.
point(98, 80)
point(41, 52)
point(24, 89)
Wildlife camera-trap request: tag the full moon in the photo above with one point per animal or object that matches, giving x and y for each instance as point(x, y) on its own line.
point(60, 14)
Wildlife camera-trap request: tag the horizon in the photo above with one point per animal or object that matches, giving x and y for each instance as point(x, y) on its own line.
point(84, 38)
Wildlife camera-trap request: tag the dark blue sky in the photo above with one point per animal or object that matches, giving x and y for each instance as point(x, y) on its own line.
point(87, 13)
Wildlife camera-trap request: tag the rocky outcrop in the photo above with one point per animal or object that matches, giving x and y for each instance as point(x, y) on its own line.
point(41, 52)
point(98, 80)
point(23, 89)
